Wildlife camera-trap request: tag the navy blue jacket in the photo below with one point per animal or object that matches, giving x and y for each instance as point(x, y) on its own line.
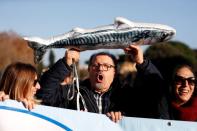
point(143, 99)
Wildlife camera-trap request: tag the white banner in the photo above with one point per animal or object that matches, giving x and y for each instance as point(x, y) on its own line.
point(14, 117)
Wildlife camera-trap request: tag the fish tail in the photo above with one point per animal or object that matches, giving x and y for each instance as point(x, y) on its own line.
point(39, 50)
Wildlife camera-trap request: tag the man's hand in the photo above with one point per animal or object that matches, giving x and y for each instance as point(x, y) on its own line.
point(70, 55)
point(114, 116)
point(136, 53)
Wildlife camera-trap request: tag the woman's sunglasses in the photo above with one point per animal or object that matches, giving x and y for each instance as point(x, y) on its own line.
point(35, 82)
point(181, 80)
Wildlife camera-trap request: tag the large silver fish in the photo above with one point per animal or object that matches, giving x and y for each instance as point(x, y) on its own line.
point(115, 36)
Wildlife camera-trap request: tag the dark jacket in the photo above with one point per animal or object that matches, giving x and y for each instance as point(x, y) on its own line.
point(142, 99)
point(146, 97)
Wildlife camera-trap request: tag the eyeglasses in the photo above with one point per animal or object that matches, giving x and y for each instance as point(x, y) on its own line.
point(179, 80)
point(35, 82)
point(104, 67)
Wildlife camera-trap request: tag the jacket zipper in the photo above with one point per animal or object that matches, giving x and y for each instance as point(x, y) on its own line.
point(91, 101)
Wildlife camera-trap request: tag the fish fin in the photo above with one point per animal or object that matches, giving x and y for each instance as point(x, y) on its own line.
point(78, 31)
point(121, 20)
point(39, 50)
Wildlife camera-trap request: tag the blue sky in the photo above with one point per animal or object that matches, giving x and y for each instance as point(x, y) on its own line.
point(46, 18)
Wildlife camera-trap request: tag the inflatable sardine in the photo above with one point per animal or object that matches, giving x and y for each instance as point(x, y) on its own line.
point(115, 36)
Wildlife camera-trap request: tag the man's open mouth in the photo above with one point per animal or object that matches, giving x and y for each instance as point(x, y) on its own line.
point(100, 78)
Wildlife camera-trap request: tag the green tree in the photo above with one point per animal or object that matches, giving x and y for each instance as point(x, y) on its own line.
point(51, 58)
point(168, 54)
point(40, 67)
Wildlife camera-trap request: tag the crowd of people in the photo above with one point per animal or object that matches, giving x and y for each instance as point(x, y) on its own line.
point(105, 91)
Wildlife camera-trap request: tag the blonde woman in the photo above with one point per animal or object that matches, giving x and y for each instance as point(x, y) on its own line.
point(20, 82)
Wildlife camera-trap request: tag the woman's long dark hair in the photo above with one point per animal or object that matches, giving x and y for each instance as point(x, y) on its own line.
point(188, 66)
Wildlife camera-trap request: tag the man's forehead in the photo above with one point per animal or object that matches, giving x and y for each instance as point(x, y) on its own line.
point(103, 58)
